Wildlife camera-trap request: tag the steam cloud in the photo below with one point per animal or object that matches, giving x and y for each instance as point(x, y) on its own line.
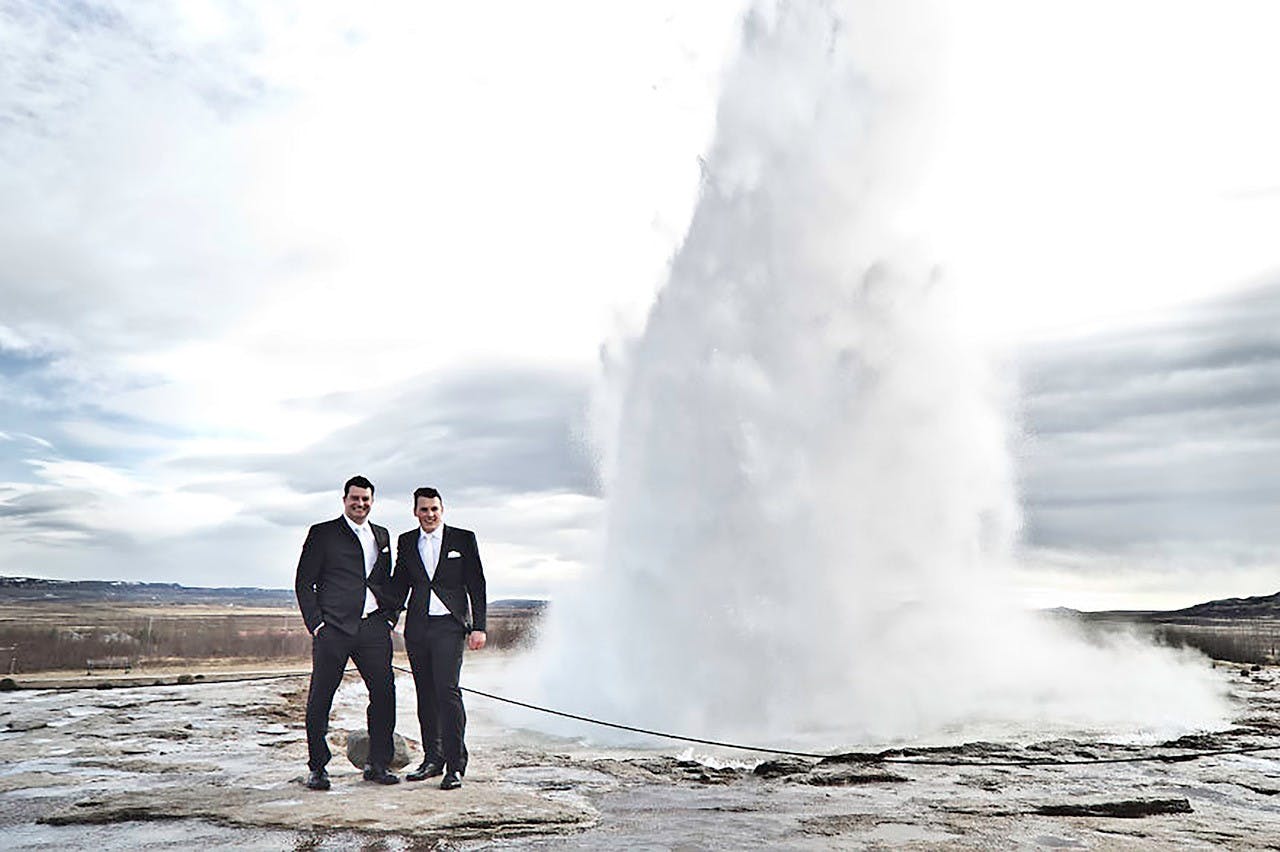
point(811, 501)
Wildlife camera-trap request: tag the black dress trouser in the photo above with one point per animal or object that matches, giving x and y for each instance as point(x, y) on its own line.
point(436, 660)
point(370, 649)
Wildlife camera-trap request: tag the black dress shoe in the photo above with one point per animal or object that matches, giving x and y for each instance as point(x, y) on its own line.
point(318, 780)
point(451, 781)
point(379, 775)
point(426, 769)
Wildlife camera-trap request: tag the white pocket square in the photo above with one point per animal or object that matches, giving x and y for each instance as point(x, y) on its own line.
point(386, 549)
point(453, 554)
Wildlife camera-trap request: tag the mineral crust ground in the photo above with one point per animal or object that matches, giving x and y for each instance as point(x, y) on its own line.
point(221, 764)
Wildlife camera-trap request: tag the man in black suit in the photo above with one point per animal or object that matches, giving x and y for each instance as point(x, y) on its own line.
point(438, 568)
point(349, 605)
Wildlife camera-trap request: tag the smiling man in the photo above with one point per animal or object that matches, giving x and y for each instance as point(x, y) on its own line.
point(348, 603)
point(438, 568)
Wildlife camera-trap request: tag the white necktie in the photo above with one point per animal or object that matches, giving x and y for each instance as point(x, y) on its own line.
point(370, 546)
point(431, 557)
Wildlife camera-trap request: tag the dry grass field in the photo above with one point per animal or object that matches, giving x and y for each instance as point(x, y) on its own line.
point(1255, 640)
point(1246, 639)
point(67, 636)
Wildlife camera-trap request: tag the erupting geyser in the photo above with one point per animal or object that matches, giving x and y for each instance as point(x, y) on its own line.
point(810, 492)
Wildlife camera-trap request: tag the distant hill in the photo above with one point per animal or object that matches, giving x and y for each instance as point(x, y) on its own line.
point(1261, 607)
point(31, 589)
point(1266, 606)
point(15, 589)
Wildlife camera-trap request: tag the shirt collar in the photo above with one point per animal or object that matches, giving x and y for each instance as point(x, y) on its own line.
point(433, 534)
point(356, 528)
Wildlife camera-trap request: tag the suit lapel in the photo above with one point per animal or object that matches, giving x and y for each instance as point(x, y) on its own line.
point(346, 527)
point(355, 539)
point(444, 545)
point(382, 543)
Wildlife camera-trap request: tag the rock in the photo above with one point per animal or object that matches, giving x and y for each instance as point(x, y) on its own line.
point(1198, 742)
point(27, 724)
point(859, 757)
point(1128, 809)
point(486, 811)
point(784, 766)
point(713, 775)
point(8, 684)
point(656, 765)
point(848, 776)
point(835, 824)
point(358, 750)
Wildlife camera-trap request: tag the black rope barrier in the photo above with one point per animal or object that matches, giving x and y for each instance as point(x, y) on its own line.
point(891, 756)
point(662, 734)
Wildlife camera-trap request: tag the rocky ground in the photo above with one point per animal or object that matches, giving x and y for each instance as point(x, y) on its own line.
point(221, 764)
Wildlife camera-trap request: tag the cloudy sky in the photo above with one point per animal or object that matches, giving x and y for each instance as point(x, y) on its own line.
point(247, 250)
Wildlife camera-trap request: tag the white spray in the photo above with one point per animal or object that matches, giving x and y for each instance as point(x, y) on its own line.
point(810, 491)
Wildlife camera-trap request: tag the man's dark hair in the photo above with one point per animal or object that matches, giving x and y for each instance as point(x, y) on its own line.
point(428, 492)
point(358, 482)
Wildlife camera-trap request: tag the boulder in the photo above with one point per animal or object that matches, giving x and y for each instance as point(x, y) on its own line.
point(358, 750)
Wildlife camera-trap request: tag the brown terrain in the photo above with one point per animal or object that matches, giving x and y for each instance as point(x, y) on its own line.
point(52, 626)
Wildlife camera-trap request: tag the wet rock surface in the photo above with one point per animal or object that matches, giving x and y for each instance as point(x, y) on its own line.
point(223, 764)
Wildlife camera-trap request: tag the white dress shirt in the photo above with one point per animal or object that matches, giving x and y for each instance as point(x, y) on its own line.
point(370, 545)
point(429, 550)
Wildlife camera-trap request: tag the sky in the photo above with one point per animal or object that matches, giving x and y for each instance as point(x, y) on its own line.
point(249, 250)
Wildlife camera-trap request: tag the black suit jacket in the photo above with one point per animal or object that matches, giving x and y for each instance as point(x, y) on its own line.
point(331, 582)
point(458, 581)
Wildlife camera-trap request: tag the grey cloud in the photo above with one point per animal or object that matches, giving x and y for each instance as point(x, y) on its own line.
point(1169, 433)
point(28, 516)
point(500, 431)
point(484, 431)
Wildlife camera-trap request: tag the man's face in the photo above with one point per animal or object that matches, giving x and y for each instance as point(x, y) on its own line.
point(430, 513)
point(357, 503)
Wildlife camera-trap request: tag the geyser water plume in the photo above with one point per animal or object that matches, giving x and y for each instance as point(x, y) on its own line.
point(810, 493)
